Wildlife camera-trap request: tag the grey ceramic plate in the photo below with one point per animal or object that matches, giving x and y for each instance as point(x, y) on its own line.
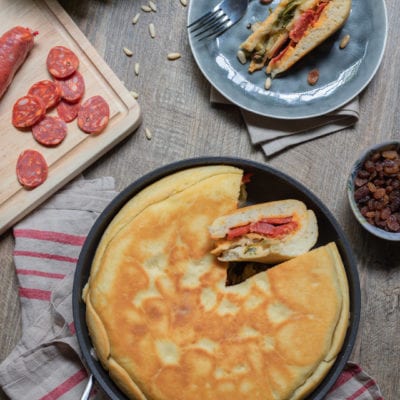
point(343, 73)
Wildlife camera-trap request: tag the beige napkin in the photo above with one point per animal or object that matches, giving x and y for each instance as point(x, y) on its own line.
point(275, 135)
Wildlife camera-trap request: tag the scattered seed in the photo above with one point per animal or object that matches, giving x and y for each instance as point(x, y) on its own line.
point(345, 41)
point(136, 68)
point(148, 133)
point(153, 6)
point(134, 94)
point(241, 56)
point(312, 77)
point(146, 8)
point(128, 52)
point(268, 83)
point(135, 19)
point(184, 2)
point(173, 56)
point(152, 30)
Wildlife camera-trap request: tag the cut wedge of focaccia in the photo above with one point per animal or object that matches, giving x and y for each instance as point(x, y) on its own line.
point(292, 30)
point(267, 232)
point(164, 324)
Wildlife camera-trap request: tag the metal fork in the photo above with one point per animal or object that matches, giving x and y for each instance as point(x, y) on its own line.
point(215, 22)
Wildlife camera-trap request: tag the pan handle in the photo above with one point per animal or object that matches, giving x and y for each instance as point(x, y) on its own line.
point(88, 388)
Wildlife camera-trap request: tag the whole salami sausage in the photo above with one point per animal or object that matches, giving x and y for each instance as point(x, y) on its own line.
point(93, 115)
point(15, 45)
point(31, 169)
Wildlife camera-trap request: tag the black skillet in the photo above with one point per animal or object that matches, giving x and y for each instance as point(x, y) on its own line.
point(266, 184)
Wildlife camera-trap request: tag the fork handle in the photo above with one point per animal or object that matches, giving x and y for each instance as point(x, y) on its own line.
point(88, 388)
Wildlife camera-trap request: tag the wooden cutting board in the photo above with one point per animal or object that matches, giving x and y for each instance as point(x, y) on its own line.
point(78, 150)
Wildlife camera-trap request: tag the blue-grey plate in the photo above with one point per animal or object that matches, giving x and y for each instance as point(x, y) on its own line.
point(344, 73)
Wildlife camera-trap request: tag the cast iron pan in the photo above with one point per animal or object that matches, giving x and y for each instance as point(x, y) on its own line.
point(266, 184)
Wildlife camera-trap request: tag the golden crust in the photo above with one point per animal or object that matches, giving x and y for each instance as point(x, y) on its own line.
point(119, 375)
point(166, 326)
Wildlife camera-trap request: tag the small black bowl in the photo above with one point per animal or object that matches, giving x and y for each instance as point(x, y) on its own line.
point(266, 184)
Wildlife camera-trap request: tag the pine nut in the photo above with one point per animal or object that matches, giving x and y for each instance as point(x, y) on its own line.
point(128, 52)
point(152, 30)
point(135, 19)
point(345, 41)
point(134, 94)
point(153, 6)
point(173, 56)
point(268, 83)
point(241, 56)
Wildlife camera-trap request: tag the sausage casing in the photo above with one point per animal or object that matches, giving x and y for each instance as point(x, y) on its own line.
point(15, 45)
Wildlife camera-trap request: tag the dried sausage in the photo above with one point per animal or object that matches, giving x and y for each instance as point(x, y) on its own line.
point(62, 62)
point(27, 111)
point(72, 88)
point(31, 169)
point(93, 115)
point(48, 91)
point(15, 45)
point(50, 131)
point(68, 111)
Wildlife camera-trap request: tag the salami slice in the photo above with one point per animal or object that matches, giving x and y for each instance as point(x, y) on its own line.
point(72, 88)
point(27, 111)
point(68, 111)
point(62, 62)
point(31, 169)
point(50, 131)
point(93, 115)
point(48, 91)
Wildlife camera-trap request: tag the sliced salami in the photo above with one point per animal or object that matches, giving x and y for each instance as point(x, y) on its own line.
point(68, 111)
point(48, 91)
point(31, 169)
point(27, 111)
point(93, 115)
point(50, 131)
point(62, 62)
point(72, 88)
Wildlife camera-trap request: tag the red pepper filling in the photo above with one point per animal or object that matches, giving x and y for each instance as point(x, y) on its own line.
point(270, 227)
point(247, 177)
point(307, 19)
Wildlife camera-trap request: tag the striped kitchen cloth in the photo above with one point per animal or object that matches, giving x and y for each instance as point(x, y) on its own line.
point(45, 364)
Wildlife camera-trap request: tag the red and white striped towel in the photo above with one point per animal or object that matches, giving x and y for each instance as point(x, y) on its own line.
point(45, 365)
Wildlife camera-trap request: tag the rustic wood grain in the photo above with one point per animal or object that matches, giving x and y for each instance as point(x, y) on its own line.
point(173, 96)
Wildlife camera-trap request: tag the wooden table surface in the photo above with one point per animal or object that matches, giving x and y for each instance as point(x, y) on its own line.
point(174, 97)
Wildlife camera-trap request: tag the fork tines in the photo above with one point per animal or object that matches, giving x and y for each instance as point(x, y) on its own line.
point(212, 23)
